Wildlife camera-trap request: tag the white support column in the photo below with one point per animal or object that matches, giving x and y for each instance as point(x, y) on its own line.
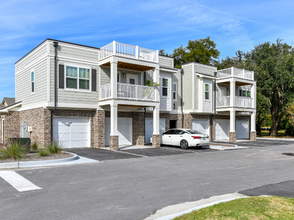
point(156, 120)
point(137, 52)
point(232, 120)
point(114, 47)
point(193, 88)
point(113, 79)
point(156, 79)
point(253, 95)
point(232, 71)
point(113, 119)
point(253, 122)
point(232, 93)
point(157, 58)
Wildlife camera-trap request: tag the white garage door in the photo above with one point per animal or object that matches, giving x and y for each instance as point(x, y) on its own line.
point(124, 127)
point(149, 128)
point(72, 131)
point(201, 125)
point(242, 129)
point(222, 129)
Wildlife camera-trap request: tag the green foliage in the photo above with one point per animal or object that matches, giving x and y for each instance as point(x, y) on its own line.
point(13, 150)
point(148, 83)
point(54, 148)
point(262, 111)
point(200, 50)
point(163, 53)
point(35, 146)
point(43, 152)
point(289, 129)
point(246, 209)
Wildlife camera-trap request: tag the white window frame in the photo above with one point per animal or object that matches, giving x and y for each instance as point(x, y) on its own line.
point(31, 82)
point(175, 84)
point(78, 77)
point(164, 87)
point(205, 99)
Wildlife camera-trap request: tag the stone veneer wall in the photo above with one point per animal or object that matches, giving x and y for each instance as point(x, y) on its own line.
point(98, 129)
point(40, 121)
point(11, 125)
point(1, 141)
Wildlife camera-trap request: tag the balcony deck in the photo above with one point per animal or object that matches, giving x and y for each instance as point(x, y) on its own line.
point(240, 101)
point(128, 91)
point(235, 72)
point(128, 51)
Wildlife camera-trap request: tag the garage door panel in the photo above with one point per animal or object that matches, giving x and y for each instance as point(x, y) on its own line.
point(222, 129)
point(72, 131)
point(242, 129)
point(149, 128)
point(124, 127)
point(201, 125)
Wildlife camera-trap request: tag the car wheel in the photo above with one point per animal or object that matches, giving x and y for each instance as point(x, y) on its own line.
point(184, 144)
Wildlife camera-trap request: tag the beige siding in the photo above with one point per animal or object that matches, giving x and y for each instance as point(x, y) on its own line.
point(187, 87)
point(205, 69)
point(166, 101)
point(32, 57)
point(197, 93)
point(166, 61)
point(105, 75)
point(23, 85)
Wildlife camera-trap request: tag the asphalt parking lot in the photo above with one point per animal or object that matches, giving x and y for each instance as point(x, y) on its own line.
point(103, 155)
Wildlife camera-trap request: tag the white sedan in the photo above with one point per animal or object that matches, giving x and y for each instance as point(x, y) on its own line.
point(184, 138)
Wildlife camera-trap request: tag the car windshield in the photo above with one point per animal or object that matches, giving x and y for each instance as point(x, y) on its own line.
point(194, 132)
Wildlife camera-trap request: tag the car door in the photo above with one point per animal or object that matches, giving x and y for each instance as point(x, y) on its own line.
point(166, 137)
point(177, 137)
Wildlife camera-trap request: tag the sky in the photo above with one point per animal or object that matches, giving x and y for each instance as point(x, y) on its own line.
point(155, 24)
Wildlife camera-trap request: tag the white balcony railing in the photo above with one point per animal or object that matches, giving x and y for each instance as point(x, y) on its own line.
point(235, 72)
point(129, 51)
point(240, 101)
point(129, 91)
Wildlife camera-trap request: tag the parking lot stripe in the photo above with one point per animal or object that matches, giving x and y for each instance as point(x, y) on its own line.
point(125, 152)
point(17, 181)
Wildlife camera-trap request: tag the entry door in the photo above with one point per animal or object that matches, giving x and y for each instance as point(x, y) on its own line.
point(242, 129)
point(132, 79)
point(222, 127)
point(201, 125)
point(149, 128)
point(124, 127)
point(72, 132)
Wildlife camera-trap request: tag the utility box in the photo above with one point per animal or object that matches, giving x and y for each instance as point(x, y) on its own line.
point(24, 129)
point(24, 142)
point(30, 128)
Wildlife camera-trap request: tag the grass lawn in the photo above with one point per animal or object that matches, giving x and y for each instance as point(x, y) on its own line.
point(246, 208)
point(281, 134)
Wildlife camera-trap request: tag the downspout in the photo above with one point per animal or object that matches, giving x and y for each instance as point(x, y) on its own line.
point(182, 72)
point(55, 44)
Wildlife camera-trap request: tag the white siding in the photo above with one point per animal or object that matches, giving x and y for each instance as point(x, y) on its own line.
point(166, 101)
point(205, 69)
point(187, 87)
point(166, 61)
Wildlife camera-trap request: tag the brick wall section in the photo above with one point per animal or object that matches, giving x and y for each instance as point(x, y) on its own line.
point(113, 141)
point(138, 128)
point(177, 117)
point(98, 129)
point(11, 125)
point(1, 141)
point(156, 140)
point(252, 136)
point(232, 136)
point(166, 116)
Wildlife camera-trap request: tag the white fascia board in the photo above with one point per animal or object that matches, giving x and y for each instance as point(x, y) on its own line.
point(14, 107)
point(79, 47)
point(236, 109)
point(129, 102)
point(131, 61)
point(205, 76)
point(70, 105)
point(168, 70)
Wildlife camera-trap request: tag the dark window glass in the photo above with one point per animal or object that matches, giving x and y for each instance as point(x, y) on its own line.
point(169, 132)
point(194, 132)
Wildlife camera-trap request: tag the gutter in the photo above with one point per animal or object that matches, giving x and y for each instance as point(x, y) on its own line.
point(55, 44)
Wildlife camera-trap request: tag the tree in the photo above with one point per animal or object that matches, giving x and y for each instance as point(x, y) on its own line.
point(163, 53)
point(262, 110)
point(200, 50)
point(274, 72)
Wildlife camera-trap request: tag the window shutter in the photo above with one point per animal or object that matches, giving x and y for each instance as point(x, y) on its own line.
point(61, 76)
point(94, 80)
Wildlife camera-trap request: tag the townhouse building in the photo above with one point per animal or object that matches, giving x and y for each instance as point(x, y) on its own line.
point(121, 94)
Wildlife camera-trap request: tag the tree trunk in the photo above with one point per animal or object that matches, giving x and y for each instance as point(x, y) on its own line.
point(275, 123)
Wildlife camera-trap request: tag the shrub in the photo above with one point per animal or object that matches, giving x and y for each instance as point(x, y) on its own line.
point(54, 148)
point(13, 150)
point(289, 129)
point(35, 146)
point(44, 152)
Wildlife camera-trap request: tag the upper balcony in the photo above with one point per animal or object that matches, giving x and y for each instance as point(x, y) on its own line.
point(128, 51)
point(240, 102)
point(235, 72)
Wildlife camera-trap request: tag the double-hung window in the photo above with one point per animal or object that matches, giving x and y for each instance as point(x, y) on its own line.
point(164, 87)
point(206, 91)
point(32, 82)
point(77, 78)
point(174, 91)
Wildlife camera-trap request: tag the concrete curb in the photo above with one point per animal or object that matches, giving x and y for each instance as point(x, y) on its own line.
point(173, 211)
point(26, 164)
point(283, 139)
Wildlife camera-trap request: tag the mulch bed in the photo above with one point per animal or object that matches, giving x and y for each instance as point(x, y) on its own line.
point(35, 157)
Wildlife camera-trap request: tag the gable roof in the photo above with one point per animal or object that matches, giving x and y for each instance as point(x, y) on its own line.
point(9, 101)
point(1, 106)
